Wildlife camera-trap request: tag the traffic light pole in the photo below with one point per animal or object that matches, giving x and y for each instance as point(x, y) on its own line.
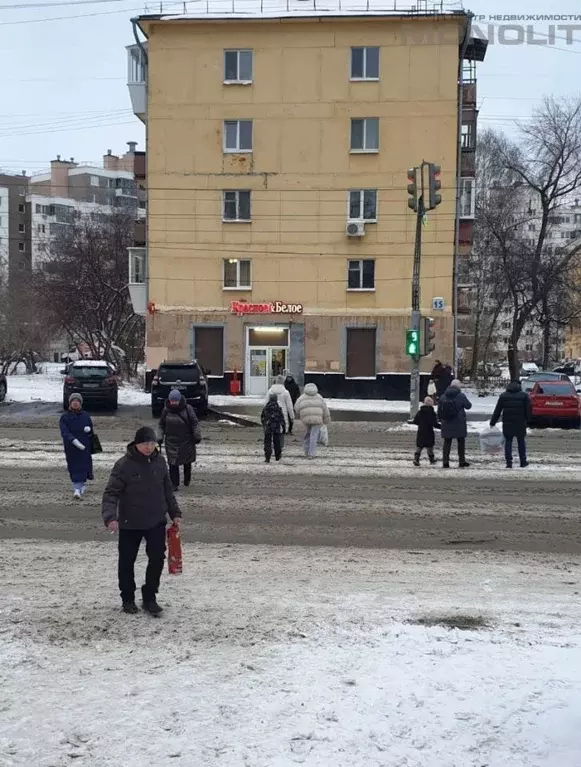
point(416, 312)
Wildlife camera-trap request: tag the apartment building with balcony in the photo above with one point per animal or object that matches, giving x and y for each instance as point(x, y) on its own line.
point(278, 231)
point(14, 228)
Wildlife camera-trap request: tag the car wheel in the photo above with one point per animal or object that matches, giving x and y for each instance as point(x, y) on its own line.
point(576, 423)
point(2, 392)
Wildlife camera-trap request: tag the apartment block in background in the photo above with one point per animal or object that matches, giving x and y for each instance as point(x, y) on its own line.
point(15, 251)
point(279, 234)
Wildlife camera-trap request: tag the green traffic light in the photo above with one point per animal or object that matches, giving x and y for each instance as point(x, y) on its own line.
point(412, 342)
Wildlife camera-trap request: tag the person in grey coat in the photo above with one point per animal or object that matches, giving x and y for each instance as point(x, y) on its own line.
point(137, 501)
point(452, 409)
point(180, 428)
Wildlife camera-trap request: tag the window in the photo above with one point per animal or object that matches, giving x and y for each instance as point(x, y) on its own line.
point(363, 204)
point(565, 235)
point(22, 208)
point(136, 266)
point(21, 247)
point(21, 191)
point(506, 325)
point(468, 136)
point(529, 347)
point(21, 228)
point(236, 205)
point(38, 208)
point(365, 134)
point(237, 66)
point(361, 275)
point(361, 353)
point(41, 229)
point(532, 227)
point(365, 63)
point(94, 180)
point(238, 135)
point(467, 198)
point(136, 67)
point(577, 217)
point(209, 349)
point(529, 332)
point(237, 273)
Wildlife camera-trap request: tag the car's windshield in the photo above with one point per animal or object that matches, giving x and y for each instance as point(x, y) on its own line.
point(91, 371)
point(187, 373)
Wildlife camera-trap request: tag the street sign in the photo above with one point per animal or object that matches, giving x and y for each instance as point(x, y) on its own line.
point(438, 304)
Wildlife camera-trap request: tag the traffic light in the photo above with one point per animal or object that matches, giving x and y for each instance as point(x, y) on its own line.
point(435, 185)
point(413, 188)
point(429, 335)
point(412, 343)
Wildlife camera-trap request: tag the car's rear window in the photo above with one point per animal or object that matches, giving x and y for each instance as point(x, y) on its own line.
point(186, 373)
point(92, 371)
point(555, 389)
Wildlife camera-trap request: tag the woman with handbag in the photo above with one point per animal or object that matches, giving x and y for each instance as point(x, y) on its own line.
point(76, 429)
point(180, 429)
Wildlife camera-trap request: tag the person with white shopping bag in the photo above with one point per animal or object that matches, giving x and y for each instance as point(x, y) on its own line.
point(514, 406)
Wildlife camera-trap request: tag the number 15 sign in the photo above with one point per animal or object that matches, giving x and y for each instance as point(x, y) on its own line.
point(438, 304)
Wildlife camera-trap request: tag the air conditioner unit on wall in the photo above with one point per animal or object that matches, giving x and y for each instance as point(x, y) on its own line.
point(355, 229)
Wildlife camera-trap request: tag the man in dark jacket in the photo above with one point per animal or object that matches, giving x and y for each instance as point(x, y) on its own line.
point(272, 419)
point(426, 421)
point(443, 378)
point(452, 415)
point(293, 389)
point(136, 503)
point(514, 406)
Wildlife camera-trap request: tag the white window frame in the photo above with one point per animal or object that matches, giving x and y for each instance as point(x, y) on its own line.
point(94, 180)
point(237, 193)
point(365, 77)
point(22, 228)
point(360, 289)
point(137, 266)
point(364, 150)
point(239, 80)
point(238, 150)
point(237, 261)
point(465, 211)
point(21, 247)
point(360, 217)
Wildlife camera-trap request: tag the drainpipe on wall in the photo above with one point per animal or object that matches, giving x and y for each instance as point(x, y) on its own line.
point(465, 42)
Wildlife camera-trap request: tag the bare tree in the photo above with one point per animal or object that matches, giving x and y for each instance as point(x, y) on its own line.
point(83, 282)
point(529, 181)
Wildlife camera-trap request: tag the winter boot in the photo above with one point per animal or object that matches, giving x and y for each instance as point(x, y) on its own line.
point(524, 464)
point(130, 608)
point(433, 461)
point(416, 459)
point(509, 464)
point(464, 465)
point(152, 607)
point(77, 495)
point(278, 457)
point(267, 459)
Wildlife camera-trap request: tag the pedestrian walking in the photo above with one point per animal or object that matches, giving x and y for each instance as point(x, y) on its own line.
point(76, 429)
point(137, 502)
point(452, 415)
point(292, 387)
point(272, 418)
point(443, 379)
point(180, 429)
point(426, 421)
point(312, 410)
point(514, 406)
point(285, 403)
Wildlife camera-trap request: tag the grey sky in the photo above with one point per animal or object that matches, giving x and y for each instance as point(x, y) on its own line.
point(64, 81)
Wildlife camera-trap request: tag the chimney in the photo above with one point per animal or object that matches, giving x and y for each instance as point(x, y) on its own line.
point(132, 145)
point(110, 161)
point(59, 176)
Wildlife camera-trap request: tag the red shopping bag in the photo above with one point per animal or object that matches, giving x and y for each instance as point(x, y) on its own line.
point(174, 550)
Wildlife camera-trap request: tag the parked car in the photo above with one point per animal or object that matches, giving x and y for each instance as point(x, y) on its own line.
point(3, 387)
point(187, 377)
point(555, 403)
point(528, 384)
point(528, 368)
point(95, 380)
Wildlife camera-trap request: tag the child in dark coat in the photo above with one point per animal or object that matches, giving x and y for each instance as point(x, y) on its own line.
point(426, 421)
point(272, 419)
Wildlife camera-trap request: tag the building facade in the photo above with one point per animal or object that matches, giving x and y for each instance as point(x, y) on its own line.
point(15, 251)
point(279, 234)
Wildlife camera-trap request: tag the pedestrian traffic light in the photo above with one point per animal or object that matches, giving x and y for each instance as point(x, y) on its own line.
point(412, 343)
point(429, 335)
point(435, 185)
point(413, 188)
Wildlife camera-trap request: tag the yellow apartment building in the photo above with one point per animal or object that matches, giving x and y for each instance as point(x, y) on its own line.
point(279, 235)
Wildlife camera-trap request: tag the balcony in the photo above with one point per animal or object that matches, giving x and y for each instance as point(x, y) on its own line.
point(138, 279)
point(137, 79)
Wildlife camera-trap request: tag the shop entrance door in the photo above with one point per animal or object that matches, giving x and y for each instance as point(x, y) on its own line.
point(264, 365)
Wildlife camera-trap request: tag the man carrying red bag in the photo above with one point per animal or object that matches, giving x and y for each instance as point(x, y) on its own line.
point(136, 503)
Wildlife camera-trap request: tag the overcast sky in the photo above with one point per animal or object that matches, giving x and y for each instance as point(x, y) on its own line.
point(64, 76)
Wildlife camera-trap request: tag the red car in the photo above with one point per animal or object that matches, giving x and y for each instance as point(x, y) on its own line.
point(555, 403)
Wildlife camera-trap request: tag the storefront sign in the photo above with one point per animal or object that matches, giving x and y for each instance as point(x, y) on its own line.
point(241, 308)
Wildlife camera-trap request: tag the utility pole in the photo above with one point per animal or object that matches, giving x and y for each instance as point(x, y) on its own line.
point(416, 192)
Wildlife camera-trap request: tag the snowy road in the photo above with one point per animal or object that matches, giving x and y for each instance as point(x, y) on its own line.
point(362, 491)
point(273, 657)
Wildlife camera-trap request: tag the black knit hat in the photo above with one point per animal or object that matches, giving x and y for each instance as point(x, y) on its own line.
point(144, 434)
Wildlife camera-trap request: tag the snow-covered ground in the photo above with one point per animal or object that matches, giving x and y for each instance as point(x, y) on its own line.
point(48, 387)
point(274, 656)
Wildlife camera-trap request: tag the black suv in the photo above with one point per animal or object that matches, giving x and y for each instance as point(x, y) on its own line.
point(187, 377)
point(95, 380)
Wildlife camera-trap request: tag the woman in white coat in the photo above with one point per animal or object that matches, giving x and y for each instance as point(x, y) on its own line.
point(312, 410)
point(285, 403)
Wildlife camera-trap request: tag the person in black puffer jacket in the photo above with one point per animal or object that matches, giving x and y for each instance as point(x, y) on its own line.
point(514, 406)
point(273, 424)
point(137, 501)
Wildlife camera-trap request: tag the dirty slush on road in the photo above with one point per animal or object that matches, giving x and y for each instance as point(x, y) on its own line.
point(361, 491)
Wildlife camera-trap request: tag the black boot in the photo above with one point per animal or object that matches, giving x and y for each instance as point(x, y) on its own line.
point(267, 459)
point(152, 607)
point(130, 608)
point(416, 459)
